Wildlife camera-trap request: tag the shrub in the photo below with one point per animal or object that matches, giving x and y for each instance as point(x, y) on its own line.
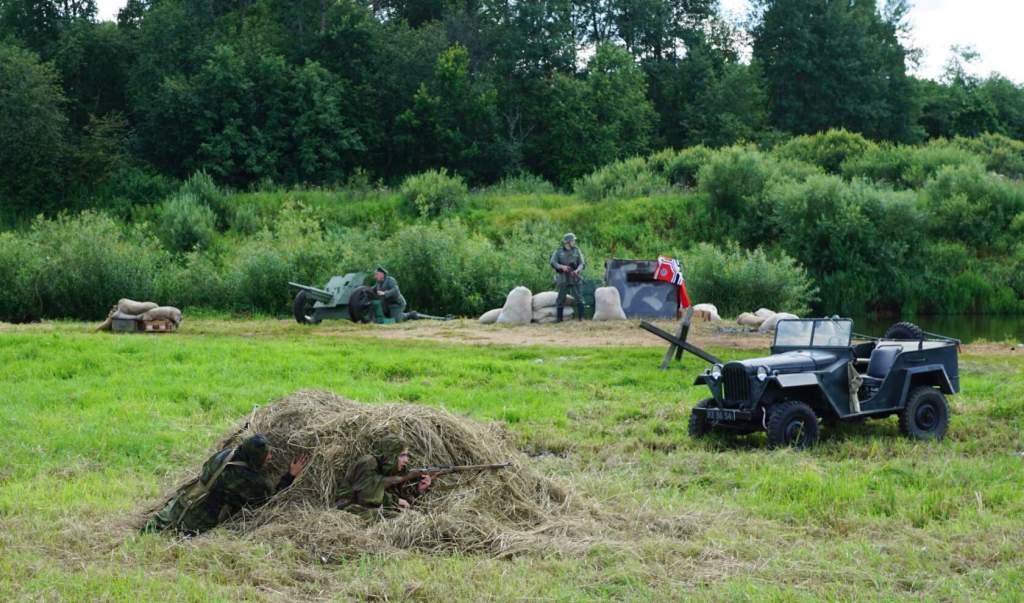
point(185, 223)
point(205, 191)
point(1001, 154)
point(680, 167)
point(827, 150)
point(966, 203)
point(19, 262)
point(258, 278)
point(433, 193)
point(89, 262)
point(626, 179)
point(196, 281)
point(523, 183)
point(738, 280)
point(245, 219)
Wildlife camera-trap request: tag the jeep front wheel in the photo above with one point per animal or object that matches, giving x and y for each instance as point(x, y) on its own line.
point(699, 426)
point(792, 424)
point(926, 416)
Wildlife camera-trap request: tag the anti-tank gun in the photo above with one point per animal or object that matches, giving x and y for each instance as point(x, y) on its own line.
point(344, 297)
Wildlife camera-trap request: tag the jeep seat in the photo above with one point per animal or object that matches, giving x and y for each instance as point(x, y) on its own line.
point(882, 359)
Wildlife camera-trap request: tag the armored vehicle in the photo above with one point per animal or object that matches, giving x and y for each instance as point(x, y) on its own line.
point(814, 373)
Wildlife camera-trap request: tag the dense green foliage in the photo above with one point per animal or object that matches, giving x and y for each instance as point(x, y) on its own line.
point(264, 93)
point(830, 223)
point(98, 426)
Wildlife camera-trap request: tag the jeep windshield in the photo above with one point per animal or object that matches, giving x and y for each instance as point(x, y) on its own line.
point(815, 333)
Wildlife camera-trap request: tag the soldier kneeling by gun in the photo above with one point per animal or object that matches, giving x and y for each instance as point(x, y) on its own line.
point(379, 485)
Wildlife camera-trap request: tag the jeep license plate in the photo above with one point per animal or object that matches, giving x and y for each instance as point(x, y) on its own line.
point(721, 415)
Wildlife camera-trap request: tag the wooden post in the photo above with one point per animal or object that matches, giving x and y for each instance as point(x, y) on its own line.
point(673, 349)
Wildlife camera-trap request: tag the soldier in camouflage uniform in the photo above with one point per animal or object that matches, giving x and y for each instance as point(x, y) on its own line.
point(237, 483)
point(386, 290)
point(377, 485)
point(567, 262)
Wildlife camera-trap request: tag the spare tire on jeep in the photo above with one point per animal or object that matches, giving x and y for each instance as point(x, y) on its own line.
point(904, 330)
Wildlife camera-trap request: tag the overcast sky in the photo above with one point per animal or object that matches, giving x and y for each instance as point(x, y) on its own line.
point(993, 27)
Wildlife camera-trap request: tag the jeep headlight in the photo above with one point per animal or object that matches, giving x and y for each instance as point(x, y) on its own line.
point(762, 373)
point(716, 372)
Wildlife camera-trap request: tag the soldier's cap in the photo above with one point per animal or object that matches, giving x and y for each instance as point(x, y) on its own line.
point(381, 269)
point(253, 450)
point(569, 237)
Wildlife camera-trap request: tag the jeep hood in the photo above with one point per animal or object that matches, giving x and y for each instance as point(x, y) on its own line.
point(793, 362)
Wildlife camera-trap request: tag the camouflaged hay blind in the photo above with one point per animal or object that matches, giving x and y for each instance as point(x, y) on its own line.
point(512, 511)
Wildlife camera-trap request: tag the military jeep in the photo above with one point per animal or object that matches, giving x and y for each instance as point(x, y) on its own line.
point(815, 373)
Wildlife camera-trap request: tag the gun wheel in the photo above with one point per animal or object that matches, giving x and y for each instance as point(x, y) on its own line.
point(792, 425)
point(302, 308)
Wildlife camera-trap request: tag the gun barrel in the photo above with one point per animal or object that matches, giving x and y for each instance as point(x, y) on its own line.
point(437, 469)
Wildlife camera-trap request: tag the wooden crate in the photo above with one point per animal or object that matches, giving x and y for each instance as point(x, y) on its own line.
point(158, 326)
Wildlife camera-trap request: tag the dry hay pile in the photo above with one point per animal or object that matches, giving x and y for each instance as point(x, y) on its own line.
point(501, 512)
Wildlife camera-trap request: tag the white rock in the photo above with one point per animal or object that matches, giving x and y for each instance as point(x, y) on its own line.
point(749, 320)
point(546, 315)
point(608, 304)
point(769, 324)
point(764, 313)
point(706, 312)
point(489, 317)
point(518, 308)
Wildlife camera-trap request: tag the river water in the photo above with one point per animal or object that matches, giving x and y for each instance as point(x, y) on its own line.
point(967, 329)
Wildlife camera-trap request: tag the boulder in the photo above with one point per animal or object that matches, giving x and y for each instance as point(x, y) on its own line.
point(490, 317)
point(518, 308)
point(749, 320)
point(707, 312)
point(547, 315)
point(163, 313)
point(134, 308)
point(608, 304)
point(769, 324)
point(764, 313)
point(549, 299)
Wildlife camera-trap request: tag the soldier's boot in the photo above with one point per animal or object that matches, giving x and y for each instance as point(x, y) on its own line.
point(559, 311)
point(579, 311)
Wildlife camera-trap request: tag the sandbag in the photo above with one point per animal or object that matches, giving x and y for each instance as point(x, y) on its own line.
point(545, 315)
point(764, 313)
point(163, 313)
point(490, 316)
point(749, 320)
point(518, 308)
point(769, 324)
point(706, 312)
point(608, 304)
point(549, 299)
point(130, 306)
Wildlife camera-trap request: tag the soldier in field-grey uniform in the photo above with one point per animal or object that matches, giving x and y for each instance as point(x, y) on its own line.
point(567, 262)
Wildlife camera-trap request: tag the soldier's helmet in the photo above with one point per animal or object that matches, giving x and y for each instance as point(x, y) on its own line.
point(568, 237)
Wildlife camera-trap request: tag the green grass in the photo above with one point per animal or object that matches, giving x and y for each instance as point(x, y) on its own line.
point(95, 426)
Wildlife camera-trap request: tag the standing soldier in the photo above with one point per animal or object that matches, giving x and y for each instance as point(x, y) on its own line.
point(386, 290)
point(567, 262)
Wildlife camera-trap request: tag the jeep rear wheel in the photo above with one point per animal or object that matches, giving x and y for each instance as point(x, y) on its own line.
point(926, 416)
point(904, 330)
point(699, 426)
point(792, 424)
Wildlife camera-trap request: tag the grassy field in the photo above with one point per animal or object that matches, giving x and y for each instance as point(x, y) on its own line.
point(96, 426)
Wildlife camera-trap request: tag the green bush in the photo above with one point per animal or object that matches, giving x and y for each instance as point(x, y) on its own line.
point(88, 263)
point(738, 280)
point(195, 281)
point(523, 183)
point(969, 204)
point(906, 166)
point(185, 223)
point(19, 263)
point(433, 193)
point(1001, 154)
point(205, 191)
point(626, 179)
point(680, 167)
point(828, 150)
point(245, 219)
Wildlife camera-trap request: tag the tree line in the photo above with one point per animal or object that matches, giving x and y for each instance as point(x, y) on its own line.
point(318, 92)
